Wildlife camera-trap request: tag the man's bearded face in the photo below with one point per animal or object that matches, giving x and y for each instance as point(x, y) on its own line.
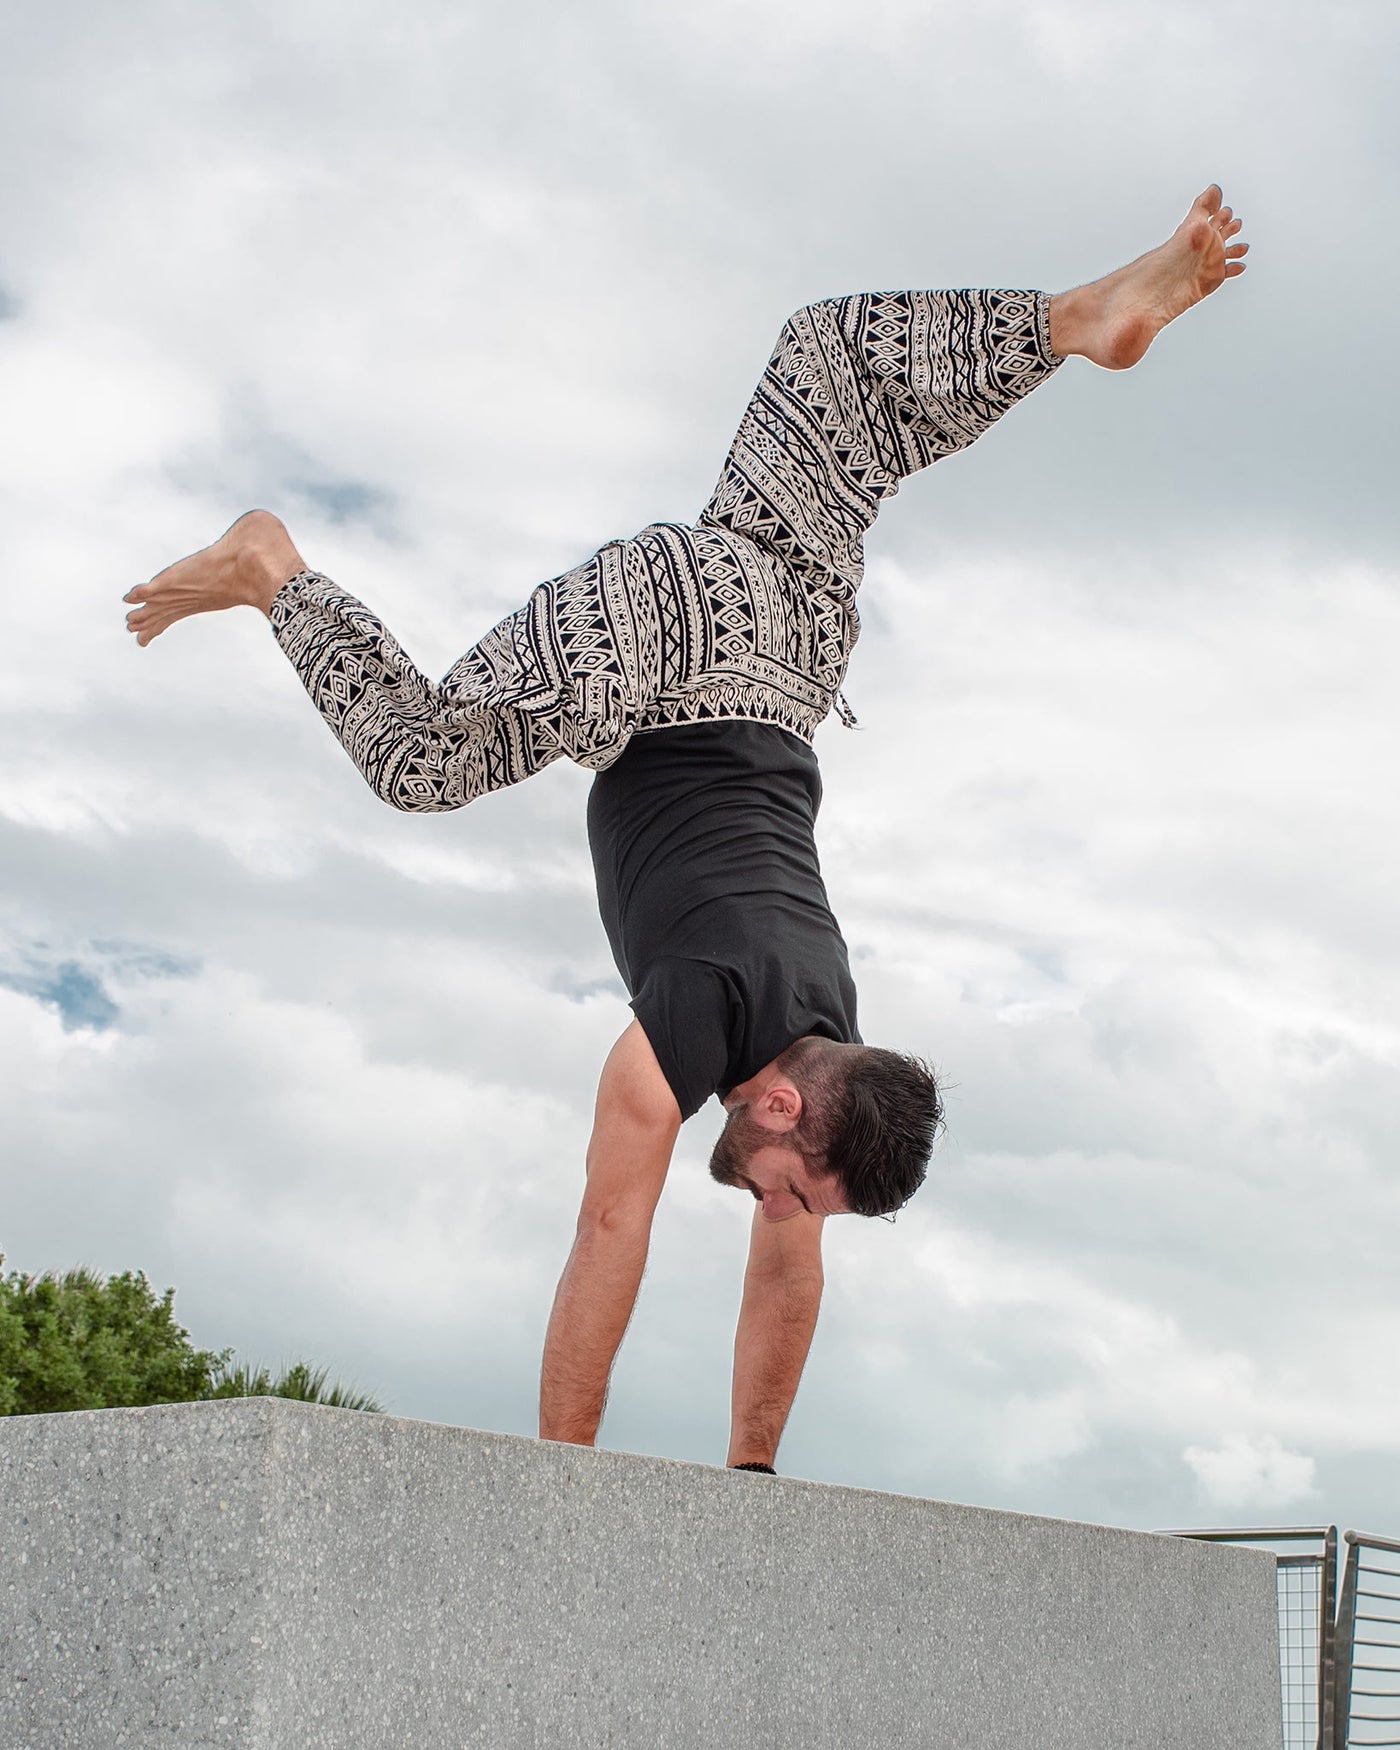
point(738, 1142)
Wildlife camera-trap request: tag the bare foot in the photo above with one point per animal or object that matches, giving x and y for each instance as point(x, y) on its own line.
point(246, 566)
point(1115, 320)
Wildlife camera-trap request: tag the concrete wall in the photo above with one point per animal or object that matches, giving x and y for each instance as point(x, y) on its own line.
point(263, 1573)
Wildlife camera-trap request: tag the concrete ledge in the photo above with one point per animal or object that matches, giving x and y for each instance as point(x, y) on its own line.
point(263, 1573)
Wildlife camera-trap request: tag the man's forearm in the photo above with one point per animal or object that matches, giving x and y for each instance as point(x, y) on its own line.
point(635, 1123)
point(592, 1308)
point(776, 1322)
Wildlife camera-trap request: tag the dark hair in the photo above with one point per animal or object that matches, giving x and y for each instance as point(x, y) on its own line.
point(870, 1118)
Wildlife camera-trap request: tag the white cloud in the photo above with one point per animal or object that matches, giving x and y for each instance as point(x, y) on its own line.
point(1256, 1473)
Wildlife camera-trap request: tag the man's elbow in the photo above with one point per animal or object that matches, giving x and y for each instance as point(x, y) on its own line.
point(789, 1278)
point(608, 1218)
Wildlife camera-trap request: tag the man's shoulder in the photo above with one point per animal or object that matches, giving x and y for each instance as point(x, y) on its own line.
point(634, 1087)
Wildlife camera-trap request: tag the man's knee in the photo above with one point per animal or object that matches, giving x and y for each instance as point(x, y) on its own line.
point(414, 781)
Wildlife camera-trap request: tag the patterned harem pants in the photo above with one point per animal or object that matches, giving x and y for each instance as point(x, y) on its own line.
point(749, 613)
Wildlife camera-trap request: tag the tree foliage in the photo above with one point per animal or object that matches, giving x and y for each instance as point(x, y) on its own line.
point(78, 1342)
point(297, 1381)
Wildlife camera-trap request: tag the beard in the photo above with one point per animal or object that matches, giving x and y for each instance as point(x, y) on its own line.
point(740, 1139)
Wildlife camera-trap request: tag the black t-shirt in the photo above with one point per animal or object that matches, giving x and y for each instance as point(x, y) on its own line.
point(713, 901)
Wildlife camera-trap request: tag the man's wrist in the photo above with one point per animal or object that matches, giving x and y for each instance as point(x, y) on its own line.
point(565, 1435)
point(755, 1464)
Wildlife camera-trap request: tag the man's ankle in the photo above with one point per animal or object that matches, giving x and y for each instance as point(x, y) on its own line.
point(264, 561)
point(1069, 315)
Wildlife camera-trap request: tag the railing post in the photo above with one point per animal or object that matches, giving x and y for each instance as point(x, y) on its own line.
point(1327, 1644)
point(1344, 1648)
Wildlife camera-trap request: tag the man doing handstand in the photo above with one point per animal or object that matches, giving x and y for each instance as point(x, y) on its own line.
point(689, 668)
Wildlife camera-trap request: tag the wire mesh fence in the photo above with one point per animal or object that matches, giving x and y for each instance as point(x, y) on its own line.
point(1302, 1584)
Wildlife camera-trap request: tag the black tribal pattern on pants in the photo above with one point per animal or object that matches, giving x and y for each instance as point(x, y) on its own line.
point(748, 613)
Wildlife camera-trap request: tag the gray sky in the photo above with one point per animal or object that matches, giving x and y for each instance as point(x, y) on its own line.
point(463, 292)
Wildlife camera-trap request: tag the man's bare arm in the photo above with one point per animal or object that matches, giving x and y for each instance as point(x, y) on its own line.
point(635, 1125)
point(782, 1295)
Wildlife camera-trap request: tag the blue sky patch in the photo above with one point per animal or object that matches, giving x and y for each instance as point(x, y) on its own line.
point(343, 500)
point(78, 991)
point(140, 962)
point(579, 990)
point(77, 994)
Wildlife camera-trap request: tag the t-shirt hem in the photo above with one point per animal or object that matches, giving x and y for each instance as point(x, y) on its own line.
point(704, 722)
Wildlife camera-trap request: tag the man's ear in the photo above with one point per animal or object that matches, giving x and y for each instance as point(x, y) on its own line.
point(780, 1107)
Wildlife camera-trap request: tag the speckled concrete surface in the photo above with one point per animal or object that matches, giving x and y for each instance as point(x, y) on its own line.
point(286, 1577)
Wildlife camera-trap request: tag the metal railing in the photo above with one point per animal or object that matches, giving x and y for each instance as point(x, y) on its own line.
point(1339, 1648)
point(1368, 1625)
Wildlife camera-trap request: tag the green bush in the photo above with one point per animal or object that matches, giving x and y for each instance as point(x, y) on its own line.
point(296, 1381)
point(77, 1342)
